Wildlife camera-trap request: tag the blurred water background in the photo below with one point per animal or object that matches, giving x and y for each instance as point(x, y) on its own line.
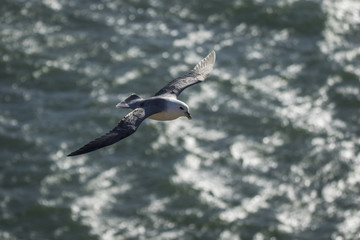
point(272, 151)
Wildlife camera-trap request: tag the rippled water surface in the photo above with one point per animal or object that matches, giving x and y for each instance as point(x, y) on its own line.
point(272, 151)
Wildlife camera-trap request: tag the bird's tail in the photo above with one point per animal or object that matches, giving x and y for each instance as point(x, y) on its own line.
point(128, 101)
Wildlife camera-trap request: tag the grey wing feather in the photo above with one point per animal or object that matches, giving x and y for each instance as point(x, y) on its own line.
point(198, 74)
point(127, 126)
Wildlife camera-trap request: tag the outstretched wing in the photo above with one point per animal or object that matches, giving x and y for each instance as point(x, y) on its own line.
point(198, 74)
point(127, 126)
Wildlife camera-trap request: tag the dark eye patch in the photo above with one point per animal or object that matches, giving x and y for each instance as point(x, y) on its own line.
point(181, 108)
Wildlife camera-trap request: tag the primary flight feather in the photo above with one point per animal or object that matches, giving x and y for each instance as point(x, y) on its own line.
point(163, 106)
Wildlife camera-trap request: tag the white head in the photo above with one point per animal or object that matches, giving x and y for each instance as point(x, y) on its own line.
point(179, 108)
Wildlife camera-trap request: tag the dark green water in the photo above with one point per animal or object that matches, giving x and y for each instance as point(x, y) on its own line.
point(272, 151)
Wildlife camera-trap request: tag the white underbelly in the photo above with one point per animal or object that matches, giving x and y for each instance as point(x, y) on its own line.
point(164, 116)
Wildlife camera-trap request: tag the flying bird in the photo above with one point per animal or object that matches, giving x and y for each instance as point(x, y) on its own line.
point(163, 106)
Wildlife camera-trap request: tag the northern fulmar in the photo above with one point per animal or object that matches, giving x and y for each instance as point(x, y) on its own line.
point(163, 106)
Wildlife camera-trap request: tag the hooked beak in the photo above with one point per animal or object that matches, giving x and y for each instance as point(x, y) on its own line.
point(187, 114)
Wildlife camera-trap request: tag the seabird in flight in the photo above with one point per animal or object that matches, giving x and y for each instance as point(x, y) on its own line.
point(163, 106)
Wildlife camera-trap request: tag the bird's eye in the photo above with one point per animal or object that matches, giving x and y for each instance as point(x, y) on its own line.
point(181, 108)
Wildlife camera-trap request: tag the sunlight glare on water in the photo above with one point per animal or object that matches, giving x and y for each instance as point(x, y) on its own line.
point(272, 151)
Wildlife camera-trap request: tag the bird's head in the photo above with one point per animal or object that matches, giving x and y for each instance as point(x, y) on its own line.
point(184, 109)
point(177, 108)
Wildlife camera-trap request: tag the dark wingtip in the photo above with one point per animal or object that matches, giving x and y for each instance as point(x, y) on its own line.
point(79, 152)
point(72, 154)
point(87, 148)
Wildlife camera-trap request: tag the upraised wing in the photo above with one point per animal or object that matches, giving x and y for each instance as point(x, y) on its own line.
point(127, 126)
point(198, 74)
